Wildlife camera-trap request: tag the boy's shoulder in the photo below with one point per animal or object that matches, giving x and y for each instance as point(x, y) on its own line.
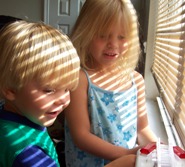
point(12, 131)
point(15, 132)
point(15, 136)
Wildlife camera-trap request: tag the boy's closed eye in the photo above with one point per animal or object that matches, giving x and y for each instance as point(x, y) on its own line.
point(52, 90)
point(49, 90)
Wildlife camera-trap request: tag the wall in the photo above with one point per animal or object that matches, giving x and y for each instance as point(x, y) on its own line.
point(32, 10)
point(151, 89)
point(142, 8)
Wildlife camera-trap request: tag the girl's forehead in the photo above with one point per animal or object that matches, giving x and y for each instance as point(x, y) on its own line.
point(113, 27)
point(113, 23)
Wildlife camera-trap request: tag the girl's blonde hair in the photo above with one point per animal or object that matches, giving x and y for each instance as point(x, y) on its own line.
point(98, 16)
point(39, 52)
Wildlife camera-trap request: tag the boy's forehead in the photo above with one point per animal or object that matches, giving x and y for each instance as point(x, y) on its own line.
point(56, 79)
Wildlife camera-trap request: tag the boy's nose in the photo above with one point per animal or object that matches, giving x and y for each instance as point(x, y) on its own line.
point(62, 103)
point(63, 99)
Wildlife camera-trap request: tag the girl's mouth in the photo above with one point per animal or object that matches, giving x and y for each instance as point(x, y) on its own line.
point(110, 55)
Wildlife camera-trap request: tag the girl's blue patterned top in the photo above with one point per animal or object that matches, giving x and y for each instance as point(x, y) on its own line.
point(113, 117)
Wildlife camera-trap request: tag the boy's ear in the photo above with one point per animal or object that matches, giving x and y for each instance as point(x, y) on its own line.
point(9, 94)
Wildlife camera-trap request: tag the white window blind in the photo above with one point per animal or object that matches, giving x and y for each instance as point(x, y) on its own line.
point(169, 59)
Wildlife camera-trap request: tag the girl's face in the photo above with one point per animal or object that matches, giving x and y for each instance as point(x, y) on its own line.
point(108, 47)
point(41, 104)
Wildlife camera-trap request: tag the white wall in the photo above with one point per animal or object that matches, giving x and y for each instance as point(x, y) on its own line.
point(32, 10)
point(151, 89)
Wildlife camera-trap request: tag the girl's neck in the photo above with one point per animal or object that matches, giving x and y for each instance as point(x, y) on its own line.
point(110, 79)
point(104, 69)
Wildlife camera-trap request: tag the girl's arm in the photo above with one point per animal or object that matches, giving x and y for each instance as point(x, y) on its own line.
point(79, 124)
point(124, 161)
point(145, 134)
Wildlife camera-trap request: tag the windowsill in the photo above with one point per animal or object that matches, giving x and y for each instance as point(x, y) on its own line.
point(155, 120)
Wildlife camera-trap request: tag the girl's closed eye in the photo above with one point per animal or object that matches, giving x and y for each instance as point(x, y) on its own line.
point(103, 36)
point(121, 37)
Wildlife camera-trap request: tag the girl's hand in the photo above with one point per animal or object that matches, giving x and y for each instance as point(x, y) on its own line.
point(124, 161)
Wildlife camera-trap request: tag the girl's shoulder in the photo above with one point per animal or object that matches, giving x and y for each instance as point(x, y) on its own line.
point(82, 84)
point(83, 74)
point(83, 77)
point(138, 78)
point(137, 74)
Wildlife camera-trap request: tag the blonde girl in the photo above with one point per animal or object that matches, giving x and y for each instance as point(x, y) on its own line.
point(107, 116)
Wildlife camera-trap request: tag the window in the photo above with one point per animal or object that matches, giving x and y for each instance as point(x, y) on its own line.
point(169, 58)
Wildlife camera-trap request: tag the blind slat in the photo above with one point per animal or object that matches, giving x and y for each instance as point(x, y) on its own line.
point(169, 59)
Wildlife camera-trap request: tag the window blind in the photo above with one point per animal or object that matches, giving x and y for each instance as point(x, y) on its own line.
point(169, 59)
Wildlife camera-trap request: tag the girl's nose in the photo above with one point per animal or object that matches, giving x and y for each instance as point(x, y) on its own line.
point(112, 42)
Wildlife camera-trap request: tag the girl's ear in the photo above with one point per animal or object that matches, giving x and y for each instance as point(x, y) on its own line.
point(9, 94)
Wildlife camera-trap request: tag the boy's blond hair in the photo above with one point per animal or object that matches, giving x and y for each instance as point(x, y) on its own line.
point(39, 52)
point(96, 17)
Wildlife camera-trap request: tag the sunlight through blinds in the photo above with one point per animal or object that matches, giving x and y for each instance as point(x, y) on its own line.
point(169, 65)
